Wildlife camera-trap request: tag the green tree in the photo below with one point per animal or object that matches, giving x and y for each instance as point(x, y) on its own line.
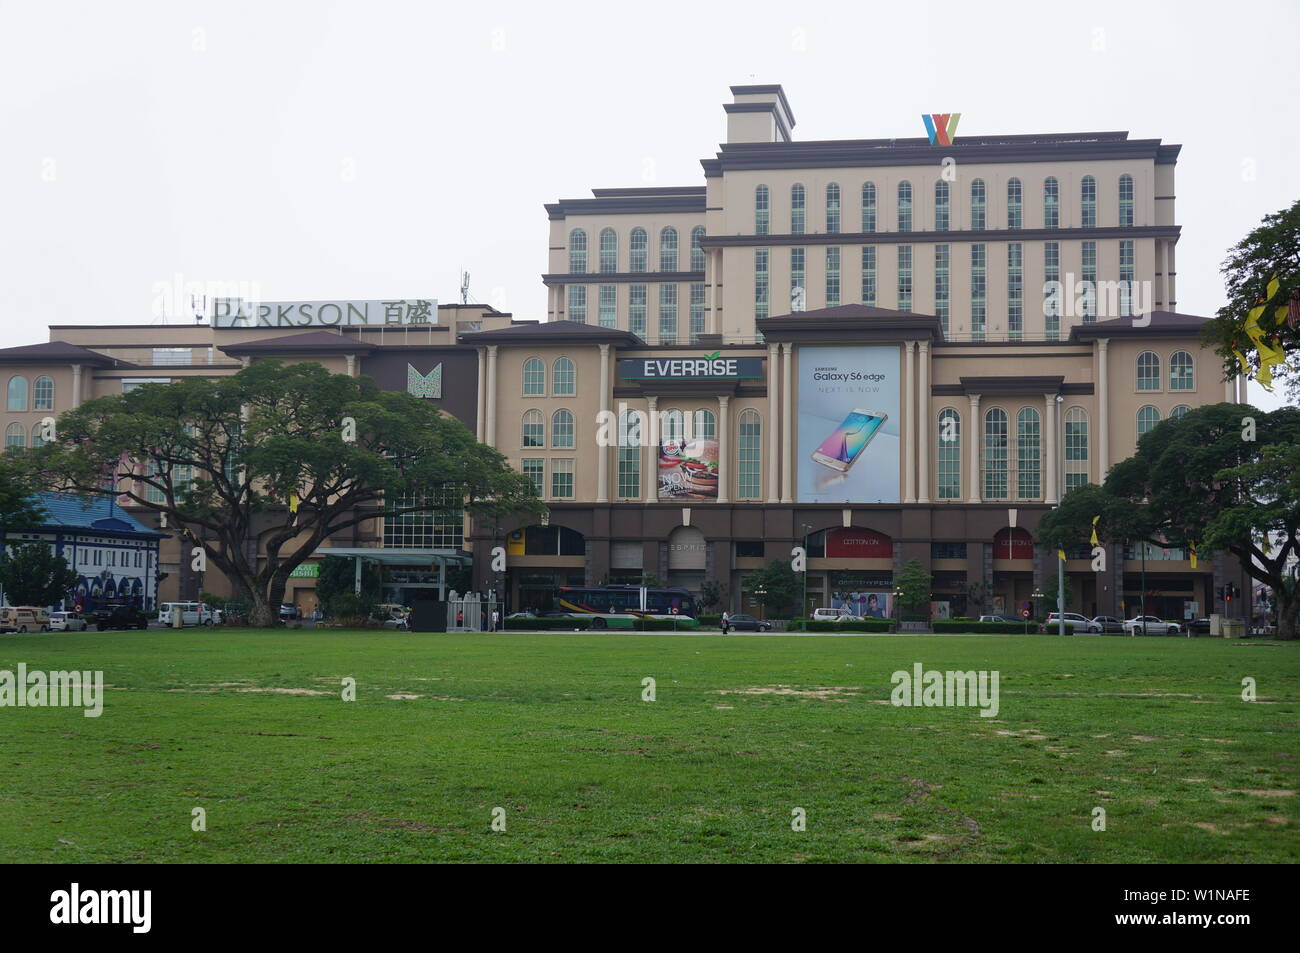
point(337, 577)
point(1222, 477)
point(32, 575)
point(914, 584)
point(19, 507)
point(225, 457)
point(710, 594)
point(1270, 251)
point(782, 587)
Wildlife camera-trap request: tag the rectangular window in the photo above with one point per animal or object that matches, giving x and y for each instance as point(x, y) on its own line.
point(534, 470)
point(869, 275)
point(1052, 289)
point(629, 456)
point(760, 283)
point(942, 284)
point(978, 291)
point(609, 306)
point(697, 312)
point(749, 457)
point(798, 278)
point(577, 310)
point(1125, 278)
point(1028, 456)
point(832, 277)
point(1015, 291)
point(636, 310)
point(904, 277)
point(947, 550)
point(1089, 289)
point(173, 355)
point(762, 211)
point(562, 479)
point(131, 383)
point(668, 314)
point(442, 526)
point(1076, 449)
point(948, 461)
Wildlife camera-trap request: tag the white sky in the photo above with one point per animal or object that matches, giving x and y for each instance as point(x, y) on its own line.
point(373, 149)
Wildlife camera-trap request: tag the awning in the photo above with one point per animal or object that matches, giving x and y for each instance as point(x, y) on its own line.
point(399, 557)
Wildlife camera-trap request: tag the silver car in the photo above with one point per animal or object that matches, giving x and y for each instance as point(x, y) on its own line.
point(67, 622)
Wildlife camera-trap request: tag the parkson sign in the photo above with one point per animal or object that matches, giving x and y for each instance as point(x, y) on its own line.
point(241, 313)
point(709, 367)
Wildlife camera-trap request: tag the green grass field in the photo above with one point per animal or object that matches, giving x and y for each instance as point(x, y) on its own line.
point(552, 728)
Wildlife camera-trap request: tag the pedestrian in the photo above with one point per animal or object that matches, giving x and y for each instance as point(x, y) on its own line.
point(496, 617)
point(460, 618)
point(726, 622)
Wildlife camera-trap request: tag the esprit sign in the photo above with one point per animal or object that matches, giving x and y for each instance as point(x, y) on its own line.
point(709, 367)
point(241, 313)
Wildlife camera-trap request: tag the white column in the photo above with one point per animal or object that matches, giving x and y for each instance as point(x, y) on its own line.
point(772, 438)
point(787, 424)
point(1049, 446)
point(352, 364)
point(724, 448)
point(923, 423)
point(602, 453)
point(482, 393)
point(909, 424)
point(1103, 409)
point(973, 433)
point(490, 411)
point(650, 453)
point(76, 385)
point(711, 280)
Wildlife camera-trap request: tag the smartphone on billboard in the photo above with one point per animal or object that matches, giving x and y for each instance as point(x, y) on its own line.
point(844, 446)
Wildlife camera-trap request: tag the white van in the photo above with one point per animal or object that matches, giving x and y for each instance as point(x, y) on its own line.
point(24, 619)
point(192, 613)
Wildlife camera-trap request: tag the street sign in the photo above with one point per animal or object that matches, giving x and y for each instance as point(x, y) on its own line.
point(1024, 613)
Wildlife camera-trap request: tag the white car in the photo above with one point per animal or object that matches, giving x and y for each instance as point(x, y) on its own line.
point(192, 613)
point(831, 615)
point(1151, 625)
point(67, 622)
point(1074, 623)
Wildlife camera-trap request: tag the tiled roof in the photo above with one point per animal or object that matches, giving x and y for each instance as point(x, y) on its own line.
point(1151, 323)
point(95, 513)
point(57, 352)
point(309, 342)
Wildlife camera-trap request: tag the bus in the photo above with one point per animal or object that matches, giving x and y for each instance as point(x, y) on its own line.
point(617, 607)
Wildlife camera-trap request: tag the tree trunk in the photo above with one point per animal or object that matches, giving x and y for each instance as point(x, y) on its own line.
point(1288, 604)
point(262, 614)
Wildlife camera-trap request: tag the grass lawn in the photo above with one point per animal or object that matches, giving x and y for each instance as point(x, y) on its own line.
point(551, 727)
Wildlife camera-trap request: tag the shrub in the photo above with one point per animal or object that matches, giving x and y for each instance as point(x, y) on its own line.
point(962, 625)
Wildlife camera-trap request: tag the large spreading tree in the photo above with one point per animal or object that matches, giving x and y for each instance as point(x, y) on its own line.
point(1223, 477)
point(32, 574)
point(262, 467)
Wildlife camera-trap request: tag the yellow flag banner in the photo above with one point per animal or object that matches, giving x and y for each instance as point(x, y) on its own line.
point(1191, 551)
point(293, 502)
point(1060, 554)
point(1094, 540)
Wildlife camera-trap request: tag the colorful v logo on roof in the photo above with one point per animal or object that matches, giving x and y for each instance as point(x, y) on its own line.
point(941, 127)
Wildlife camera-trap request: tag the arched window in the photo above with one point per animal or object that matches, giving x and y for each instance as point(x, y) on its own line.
point(762, 209)
point(942, 217)
point(832, 209)
point(1180, 371)
point(534, 377)
point(1051, 203)
point(1076, 448)
point(798, 209)
point(17, 393)
point(1015, 204)
point(564, 378)
point(1173, 414)
point(978, 205)
point(629, 454)
point(868, 206)
point(1088, 202)
point(562, 429)
point(1126, 201)
point(43, 394)
point(577, 252)
point(704, 425)
point(948, 455)
point(697, 249)
point(749, 456)
point(904, 206)
point(37, 439)
point(1148, 417)
point(1148, 371)
point(995, 454)
point(608, 250)
point(638, 251)
point(672, 425)
point(534, 429)
point(15, 436)
point(1029, 483)
point(668, 249)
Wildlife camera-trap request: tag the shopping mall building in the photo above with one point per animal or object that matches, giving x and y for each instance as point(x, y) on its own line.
point(877, 349)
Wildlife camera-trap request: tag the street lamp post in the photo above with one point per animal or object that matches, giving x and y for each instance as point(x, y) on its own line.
point(803, 606)
point(1060, 486)
point(898, 605)
point(1036, 596)
point(759, 592)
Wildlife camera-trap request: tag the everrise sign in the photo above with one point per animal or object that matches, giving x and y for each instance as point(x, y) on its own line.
point(709, 367)
point(401, 312)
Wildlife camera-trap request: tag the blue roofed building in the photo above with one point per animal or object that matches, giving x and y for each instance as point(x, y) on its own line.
point(115, 556)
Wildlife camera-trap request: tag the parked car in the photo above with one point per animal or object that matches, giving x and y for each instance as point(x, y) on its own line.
point(1074, 623)
point(24, 619)
point(1199, 627)
point(1108, 623)
point(747, 623)
point(391, 615)
point(289, 612)
point(1151, 625)
point(829, 615)
point(192, 613)
point(120, 617)
point(67, 622)
point(1001, 618)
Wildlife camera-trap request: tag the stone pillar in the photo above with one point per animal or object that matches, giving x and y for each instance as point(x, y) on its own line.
point(352, 364)
point(773, 435)
point(711, 282)
point(923, 424)
point(787, 424)
point(76, 385)
point(1050, 494)
point(479, 412)
point(909, 428)
point(1103, 410)
point(602, 453)
point(724, 448)
point(490, 409)
point(650, 454)
point(973, 432)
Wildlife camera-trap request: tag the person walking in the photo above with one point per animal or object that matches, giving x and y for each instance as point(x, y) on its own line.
point(496, 618)
point(460, 618)
point(726, 622)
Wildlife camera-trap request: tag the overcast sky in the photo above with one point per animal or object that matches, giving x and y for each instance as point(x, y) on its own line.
point(374, 149)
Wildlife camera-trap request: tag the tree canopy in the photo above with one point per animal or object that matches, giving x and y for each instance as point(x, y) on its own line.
point(32, 575)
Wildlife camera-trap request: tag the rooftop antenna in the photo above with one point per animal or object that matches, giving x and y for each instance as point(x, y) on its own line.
point(464, 287)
